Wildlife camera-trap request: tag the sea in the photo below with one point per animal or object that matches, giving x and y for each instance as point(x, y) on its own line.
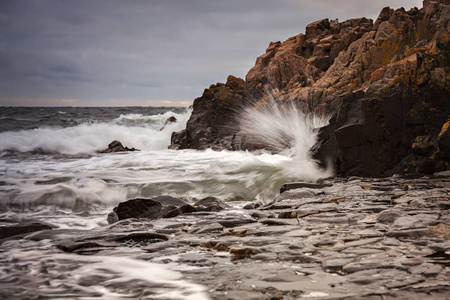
point(51, 170)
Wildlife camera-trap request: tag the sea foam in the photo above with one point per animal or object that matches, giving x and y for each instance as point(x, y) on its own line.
point(289, 131)
point(133, 130)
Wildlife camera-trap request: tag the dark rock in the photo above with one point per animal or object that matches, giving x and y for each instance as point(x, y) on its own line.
point(23, 228)
point(116, 146)
point(298, 185)
point(140, 236)
point(136, 208)
point(213, 120)
point(210, 204)
point(169, 120)
point(251, 205)
point(154, 208)
point(85, 246)
point(236, 222)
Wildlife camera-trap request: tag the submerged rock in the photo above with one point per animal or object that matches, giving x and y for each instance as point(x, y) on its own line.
point(23, 227)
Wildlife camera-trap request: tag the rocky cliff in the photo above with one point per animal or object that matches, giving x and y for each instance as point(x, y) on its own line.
point(386, 83)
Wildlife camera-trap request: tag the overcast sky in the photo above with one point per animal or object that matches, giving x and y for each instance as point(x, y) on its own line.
point(136, 52)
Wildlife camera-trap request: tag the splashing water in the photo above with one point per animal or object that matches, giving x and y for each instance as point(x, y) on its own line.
point(290, 132)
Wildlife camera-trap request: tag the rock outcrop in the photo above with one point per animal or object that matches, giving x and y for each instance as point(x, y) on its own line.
point(213, 123)
point(386, 83)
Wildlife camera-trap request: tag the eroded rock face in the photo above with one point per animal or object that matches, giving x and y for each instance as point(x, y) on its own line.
point(386, 83)
point(213, 122)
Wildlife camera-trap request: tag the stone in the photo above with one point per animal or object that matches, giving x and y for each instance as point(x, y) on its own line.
point(298, 185)
point(388, 216)
point(23, 227)
point(243, 252)
point(116, 146)
point(157, 207)
point(210, 204)
point(79, 247)
point(136, 208)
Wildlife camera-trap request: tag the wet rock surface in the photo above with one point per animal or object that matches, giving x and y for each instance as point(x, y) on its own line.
point(350, 238)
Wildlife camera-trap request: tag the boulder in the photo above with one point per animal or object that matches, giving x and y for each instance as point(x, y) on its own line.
point(136, 208)
point(154, 208)
point(116, 146)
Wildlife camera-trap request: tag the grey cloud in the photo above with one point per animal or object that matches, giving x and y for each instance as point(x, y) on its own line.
point(99, 50)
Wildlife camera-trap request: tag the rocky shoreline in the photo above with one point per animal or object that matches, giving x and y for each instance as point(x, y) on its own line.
point(385, 83)
point(344, 238)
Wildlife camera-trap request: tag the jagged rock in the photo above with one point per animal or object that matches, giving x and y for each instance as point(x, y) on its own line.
point(213, 120)
point(169, 120)
point(116, 146)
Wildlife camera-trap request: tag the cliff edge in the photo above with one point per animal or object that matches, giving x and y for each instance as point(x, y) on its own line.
point(387, 85)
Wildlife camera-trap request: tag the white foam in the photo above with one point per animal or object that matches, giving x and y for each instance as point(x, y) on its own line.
point(289, 131)
point(89, 138)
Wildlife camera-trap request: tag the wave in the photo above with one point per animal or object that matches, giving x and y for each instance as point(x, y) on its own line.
point(89, 138)
point(288, 131)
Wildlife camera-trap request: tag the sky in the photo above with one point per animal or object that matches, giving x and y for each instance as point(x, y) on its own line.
point(146, 52)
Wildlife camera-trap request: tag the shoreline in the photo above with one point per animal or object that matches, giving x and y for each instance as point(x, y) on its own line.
point(346, 238)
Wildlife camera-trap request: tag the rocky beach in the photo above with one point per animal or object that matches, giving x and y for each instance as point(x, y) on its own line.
point(342, 238)
point(324, 174)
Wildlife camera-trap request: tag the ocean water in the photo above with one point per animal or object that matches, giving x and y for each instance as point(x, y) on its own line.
point(50, 170)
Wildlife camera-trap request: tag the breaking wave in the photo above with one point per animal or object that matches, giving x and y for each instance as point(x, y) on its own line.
point(133, 130)
point(289, 131)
